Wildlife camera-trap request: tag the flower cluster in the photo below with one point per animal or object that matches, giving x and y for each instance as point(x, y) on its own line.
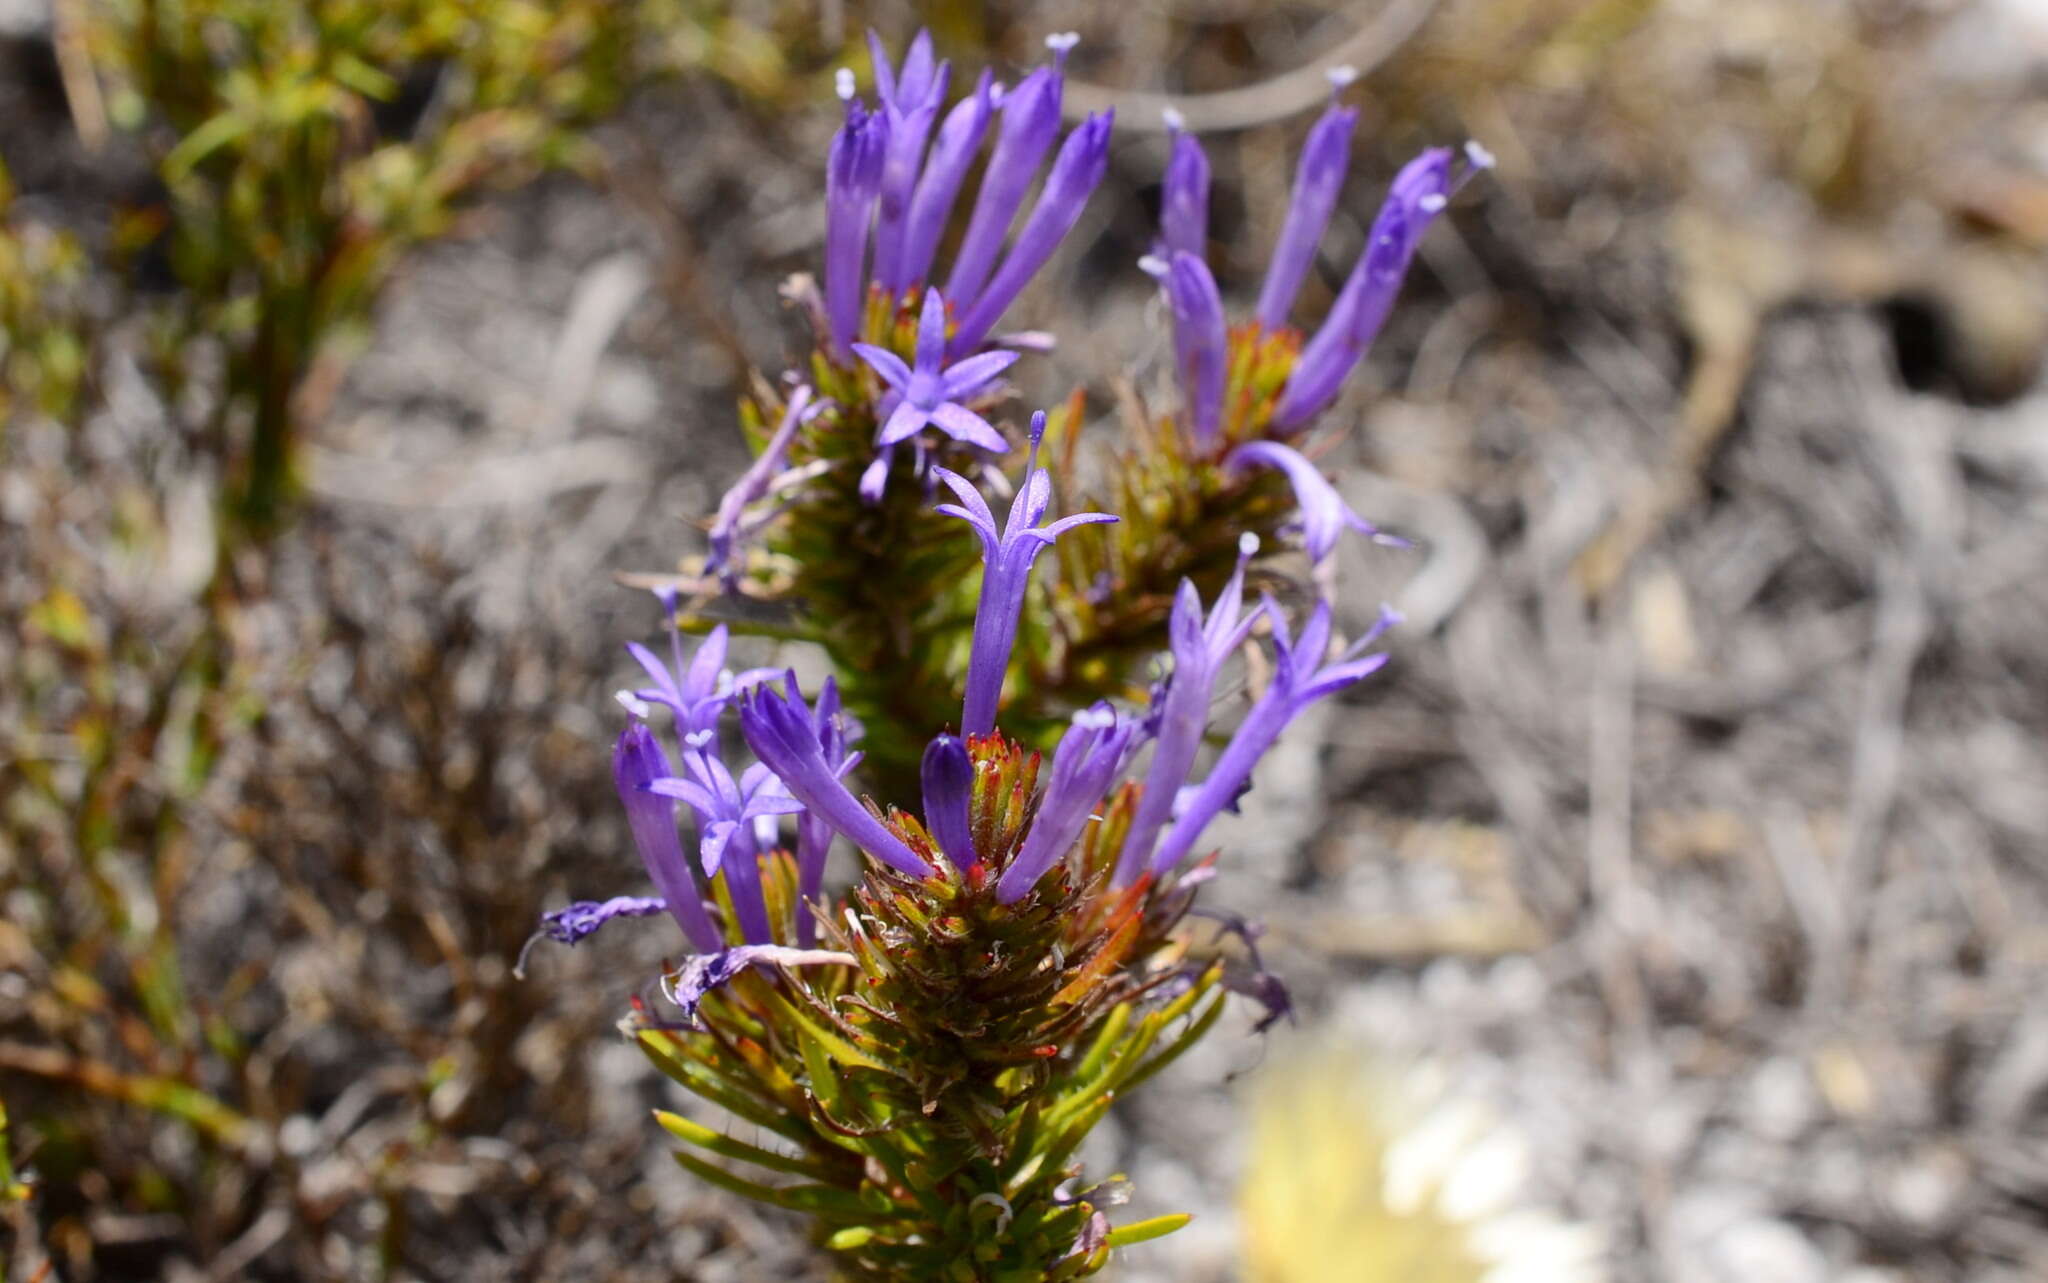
point(1014, 759)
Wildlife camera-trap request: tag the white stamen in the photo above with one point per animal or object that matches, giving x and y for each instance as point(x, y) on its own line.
point(1061, 41)
point(1247, 545)
point(1340, 76)
point(1478, 156)
point(1432, 202)
point(1174, 120)
point(1152, 265)
point(633, 704)
point(842, 82)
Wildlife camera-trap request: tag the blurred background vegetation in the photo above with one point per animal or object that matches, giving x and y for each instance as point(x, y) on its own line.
point(350, 348)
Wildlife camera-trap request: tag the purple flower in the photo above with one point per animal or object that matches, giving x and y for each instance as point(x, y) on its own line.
point(911, 101)
point(1200, 647)
point(779, 728)
point(574, 921)
point(836, 731)
point(1031, 121)
point(757, 481)
point(701, 691)
point(637, 762)
point(948, 778)
point(688, 984)
point(1184, 197)
point(1299, 680)
point(1088, 760)
point(853, 176)
point(1006, 573)
point(1420, 192)
point(931, 392)
point(1324, 159)
point(944, 171)
point(726, 813)
point(1201, 341)
point(1082, 161)
point(1324, 514)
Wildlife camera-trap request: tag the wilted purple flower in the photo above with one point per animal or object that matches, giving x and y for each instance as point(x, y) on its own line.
point(754, 484)
point(726, 811)
point(1201, 340)
point(853, 176)
point(779, 728)
point(637, 762)
point(932, 392)
point(1420, 192)
point(1200, 647)
point(944, 171)
point(1031, 121)
point(1088, 760)
point(1324, 158)
point(1324, 514)
point(948, 778)
point(1079, 167)
point(1184, 196)
point(911, 101)
point(1299, 680)
point(688, 984)
point(1006, 573)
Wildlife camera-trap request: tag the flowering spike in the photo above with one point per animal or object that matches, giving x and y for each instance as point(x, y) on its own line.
point(1006, 574)
point(1089, 759)
point(853, 176)
point(1184, 199)
point(1031, 121)
point(1079, 167)
point(1419, 194)
point(780, 730)
point(946, 169)
point(948, 788)
point(1317, 182)
point(637, 761)
point(1200, 647)
point(1298, 682)
point(1324, 514)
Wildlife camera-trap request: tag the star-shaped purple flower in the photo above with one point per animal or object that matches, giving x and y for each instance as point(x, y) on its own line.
point(932, 392)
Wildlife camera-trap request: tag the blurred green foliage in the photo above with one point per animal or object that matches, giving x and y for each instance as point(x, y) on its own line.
point(43, 340)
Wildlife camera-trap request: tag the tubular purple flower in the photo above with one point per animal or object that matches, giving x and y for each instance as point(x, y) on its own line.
point(1297, 683)
point(1419, 194)
point(948, 778)
point(1201, 342)
point(705, 685)
point(1200, 647)
point(1324, 158)
point(853, 176)
point(944, 171)
point(911, 101)
point(752, 485)
point(574, 921)
point(1184, 196)
point(1079, 167)
point(1324, 514)
point(1031, 121)
point(778, 727)
point(637, 761)
point(1088, 760)
point(932, 393)
point(726, 814)
point(836, 731)
point(1006, 574)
